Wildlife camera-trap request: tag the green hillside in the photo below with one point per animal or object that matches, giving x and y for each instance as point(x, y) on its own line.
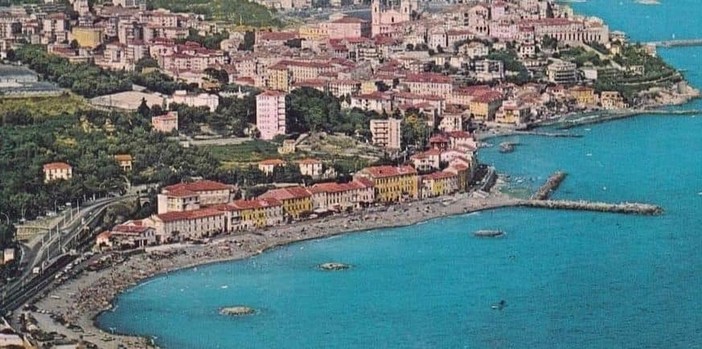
point(234, 11)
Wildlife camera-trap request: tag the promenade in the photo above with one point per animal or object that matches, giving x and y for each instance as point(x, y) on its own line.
point(86, 294)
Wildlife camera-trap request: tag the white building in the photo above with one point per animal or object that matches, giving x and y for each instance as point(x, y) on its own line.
point(200, 100)
point(386, 133)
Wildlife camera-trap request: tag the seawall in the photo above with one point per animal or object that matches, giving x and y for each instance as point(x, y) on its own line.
point(550, 186)
point(623, 208)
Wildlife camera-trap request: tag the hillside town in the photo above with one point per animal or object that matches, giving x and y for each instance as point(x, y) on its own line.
point(422, 81)
point(497, 62)
point(177, 124)
point(202, 209)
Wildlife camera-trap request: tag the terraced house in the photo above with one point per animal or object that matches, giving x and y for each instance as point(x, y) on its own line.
point(296, 201)
point(255, 213)
point(392, 184)
point(188, 224)
point(341, 196)
point(191, 196)
point(438, 184)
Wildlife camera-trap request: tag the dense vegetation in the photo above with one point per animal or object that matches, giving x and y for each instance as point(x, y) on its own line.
point(21, 111)
point(85, 79)
point(82, 141)
point(512, 64)
point(656, 73)
point(308, 109)
point(581, 56)
point(211, 42)
point(235, 11)
point(89, 80)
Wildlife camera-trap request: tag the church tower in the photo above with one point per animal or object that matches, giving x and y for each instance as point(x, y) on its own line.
point(376, 15)
point(406, 7)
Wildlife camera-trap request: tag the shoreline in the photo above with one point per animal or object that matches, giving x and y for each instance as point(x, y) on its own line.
point(81, 300)
point(104, 287)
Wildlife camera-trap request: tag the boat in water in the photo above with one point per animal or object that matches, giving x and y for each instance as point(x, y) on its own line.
point(499, 305)
point(489, 233)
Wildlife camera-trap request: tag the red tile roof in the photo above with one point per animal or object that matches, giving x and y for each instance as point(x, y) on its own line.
point(488, 97)
point(181, 193)
point(274, 162)
point(57, 166)
point(438, 176)
point(349, 19)
point(130, 229)
point(360, 183)
point(287, 193)
point(429, 77)
point(189, 215)
point(460, 167)
point(459, 134)
point(250, 204)
point(272, 93)
point(123, 157)
point(389, 171)
point(198, 186)
point(365, 182)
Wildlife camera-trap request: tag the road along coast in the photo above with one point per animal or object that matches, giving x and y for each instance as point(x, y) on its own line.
point(80, 300)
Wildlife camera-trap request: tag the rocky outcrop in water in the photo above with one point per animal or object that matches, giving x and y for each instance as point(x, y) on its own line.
point(239, 310)
point(334, 266)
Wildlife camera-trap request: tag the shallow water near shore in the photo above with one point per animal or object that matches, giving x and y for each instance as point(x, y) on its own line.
point(569, 279)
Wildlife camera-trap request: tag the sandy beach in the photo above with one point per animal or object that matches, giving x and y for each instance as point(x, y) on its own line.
point(82, 298)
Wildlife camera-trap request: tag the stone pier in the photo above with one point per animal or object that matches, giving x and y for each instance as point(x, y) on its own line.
point(624, 208)
point(550, 186)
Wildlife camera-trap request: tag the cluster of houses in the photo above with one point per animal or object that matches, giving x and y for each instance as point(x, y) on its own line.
point(203, 208)
point(59, 170)
point(378, 65)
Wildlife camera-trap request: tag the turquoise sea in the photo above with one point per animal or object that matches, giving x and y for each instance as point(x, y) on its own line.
point(569, 279)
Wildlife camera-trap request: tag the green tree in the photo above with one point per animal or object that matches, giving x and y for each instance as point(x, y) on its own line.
point(146, 62)
point(249, 41)
point(144, 109)
point(308, 109)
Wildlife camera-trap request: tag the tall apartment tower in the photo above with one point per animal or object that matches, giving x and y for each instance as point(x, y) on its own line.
point(270, 114)
point(387, 133)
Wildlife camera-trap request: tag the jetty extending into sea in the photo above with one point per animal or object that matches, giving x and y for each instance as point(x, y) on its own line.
point(550, 186)
point(540, 199)
point(582, 205)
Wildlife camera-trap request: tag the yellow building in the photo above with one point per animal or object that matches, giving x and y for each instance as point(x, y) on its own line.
point(585, 96)
point(612, 100)
point(288, 147)
point(392, 184)
point(256, 213)
point(88, 37)
point(513, 113)
point(279, 78)
point(296, 200)
point(368, 87)
point(439, 184)
point(314, 32)
point(484, 106)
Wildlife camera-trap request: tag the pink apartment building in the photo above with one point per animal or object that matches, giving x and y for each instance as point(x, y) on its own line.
point(165, 123)
point(270, 114)
point(349, 27)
